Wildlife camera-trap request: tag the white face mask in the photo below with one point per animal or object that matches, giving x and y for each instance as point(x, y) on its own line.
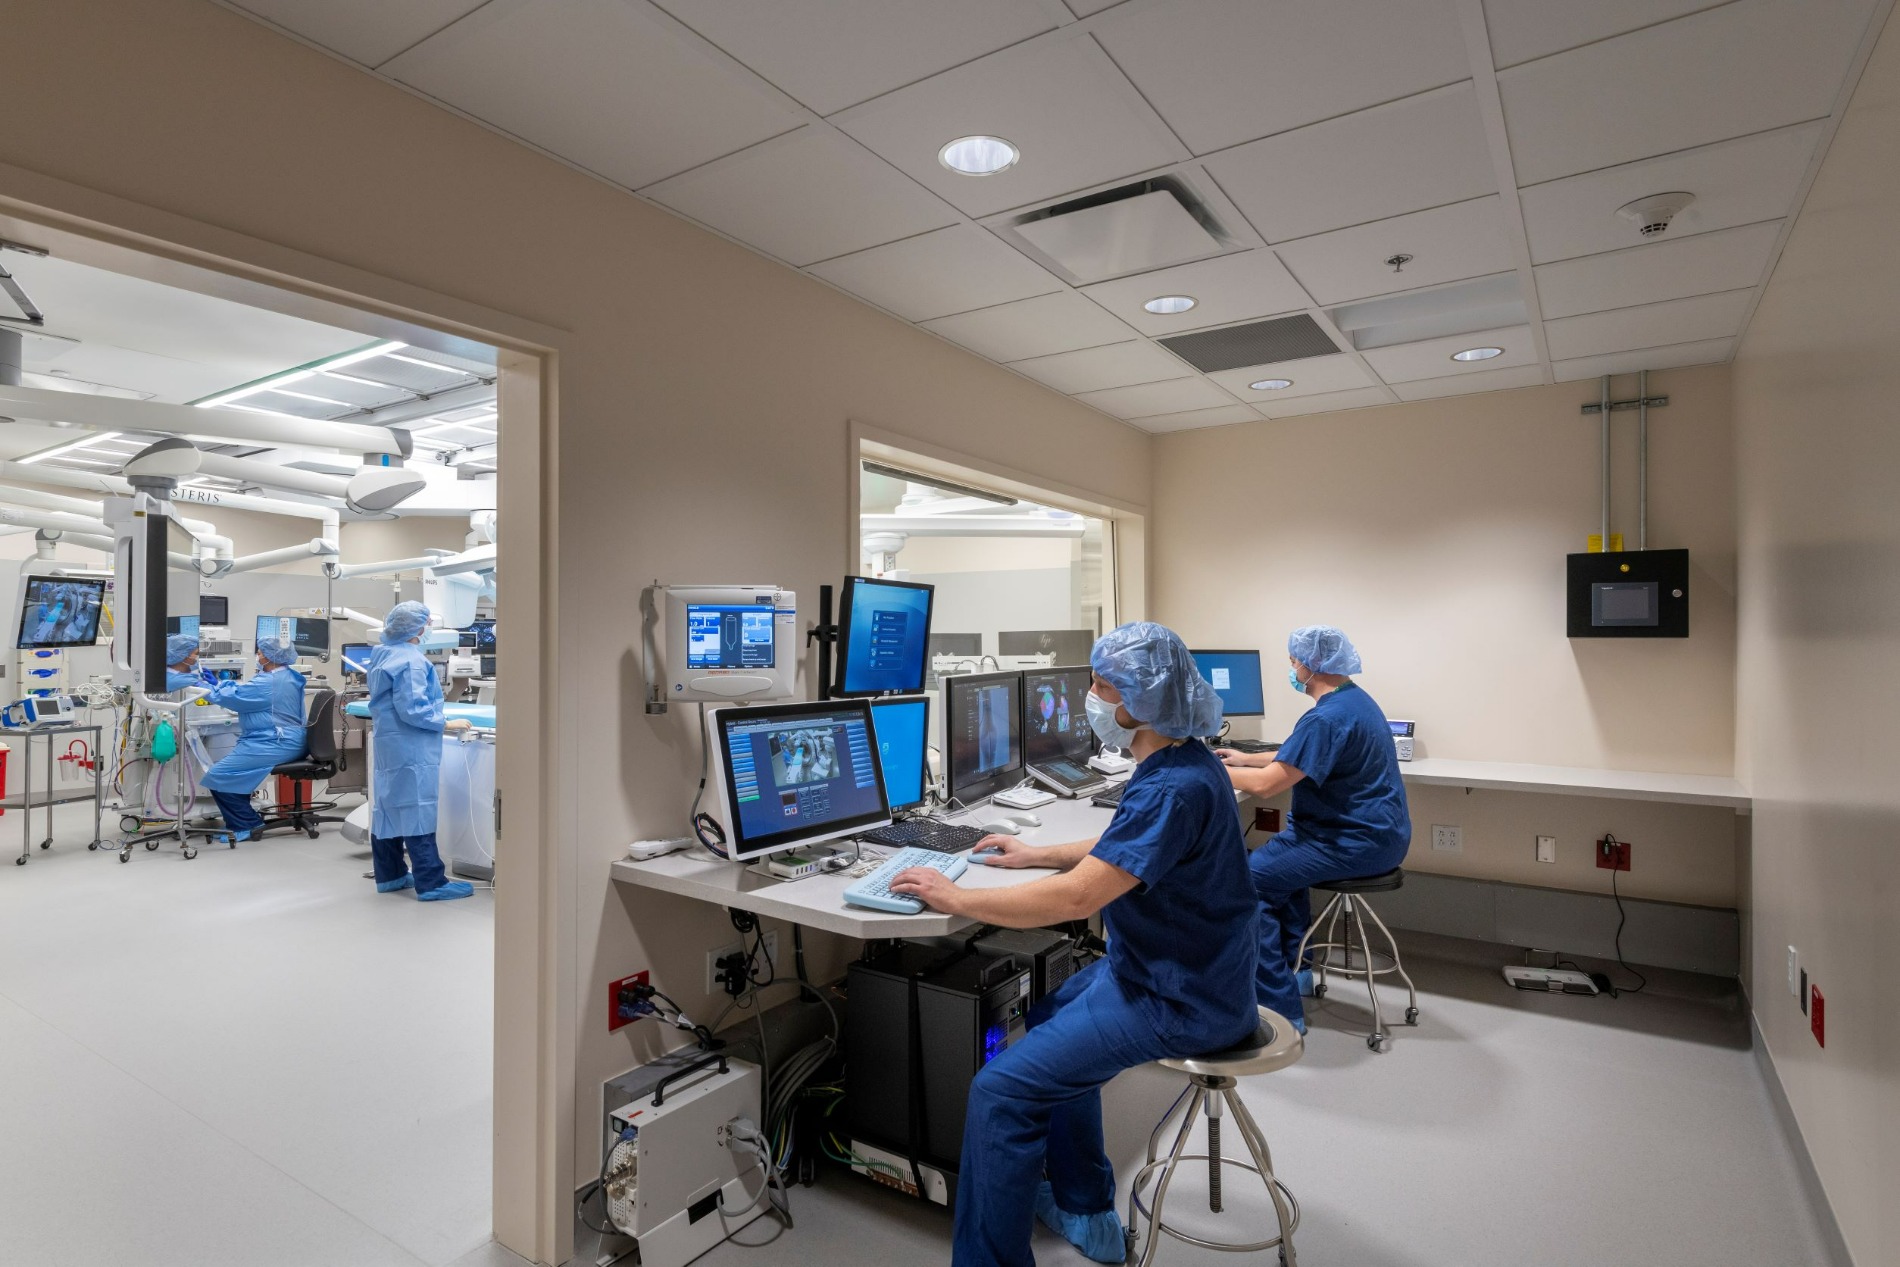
point(1103, 722)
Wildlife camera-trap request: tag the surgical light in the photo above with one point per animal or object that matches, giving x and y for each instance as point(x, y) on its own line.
point(1477, 354)
point(978, 155)
point(1168, 305)
point(1270, 384)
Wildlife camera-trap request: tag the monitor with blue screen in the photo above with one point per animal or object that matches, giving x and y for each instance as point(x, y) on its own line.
point(484, 631)
point(181, 625)
point(797, 773)
point(884, 634)
point(728, 636)
point(270, 627)
point(901, 724)
point(1235, 677)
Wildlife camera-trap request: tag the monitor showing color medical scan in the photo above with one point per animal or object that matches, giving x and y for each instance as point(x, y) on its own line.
point(900, 724)
point(884, 631)
point(1055, 719)
point(1235, 677)
point(58, 611)
point(983, 734)
point(729, 637)
point(798, 772)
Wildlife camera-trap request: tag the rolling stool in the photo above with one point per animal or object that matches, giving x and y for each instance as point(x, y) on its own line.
point(1274, 1044)
point(1349, 902)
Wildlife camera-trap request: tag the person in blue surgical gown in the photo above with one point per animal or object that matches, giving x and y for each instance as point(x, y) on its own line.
point(1169, 877)
point(270, 732)
point(406, 719)
point(181, 662)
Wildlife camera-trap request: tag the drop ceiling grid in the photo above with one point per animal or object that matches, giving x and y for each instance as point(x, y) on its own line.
point(1530, 24)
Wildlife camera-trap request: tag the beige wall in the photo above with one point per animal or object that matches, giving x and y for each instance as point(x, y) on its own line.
point(1818, 466)
point(700, 429)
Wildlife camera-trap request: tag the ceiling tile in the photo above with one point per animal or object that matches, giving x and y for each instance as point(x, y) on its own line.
point(1652, 325)
point(1731, 259)
point(1059, 101)
point(1465, 384)
point(1741, 68)
point(1524, 29)
point(805, 197)
point(1193, 419)
point(366, 31)
point(1092, 369)
point(1431, 358)
point(1360, 398)
point(831, 54)
point(1083, 8)
point(1226, 289)
point(1061, 322)
point(1734, 182)
point(1172, 397)
point(1446, 244)
point(1226, 71)
point(1706, 352)
point(1421, 152)
point(1310, 376)
point(936, 274)
point(636, 101)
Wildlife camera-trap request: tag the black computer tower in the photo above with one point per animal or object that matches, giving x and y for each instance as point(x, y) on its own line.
point(1050, 955)
point(907, 1077)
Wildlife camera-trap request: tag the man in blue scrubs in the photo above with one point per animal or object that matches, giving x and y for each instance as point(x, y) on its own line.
point(1169, 877)
point(270, 732)
point(1349, 813)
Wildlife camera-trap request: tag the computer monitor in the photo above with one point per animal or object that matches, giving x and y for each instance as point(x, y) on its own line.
point(214, 610)
point(488, 666)
point(797, 773)
point(883, 633)
point(1055, 719)
point(181, 625)
point(484, 631)
point(1068, 646)
point(270, 627)
point(983, 741)
point(901, 726)
point(60, 611)
point(1235, 677)
point(356, 658)
point(310, 635)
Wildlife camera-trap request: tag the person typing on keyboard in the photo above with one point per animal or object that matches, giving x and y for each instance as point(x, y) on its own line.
point(1169, 878)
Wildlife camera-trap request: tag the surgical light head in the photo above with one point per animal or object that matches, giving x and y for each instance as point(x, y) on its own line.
point(1159, 684)
point(379, 488)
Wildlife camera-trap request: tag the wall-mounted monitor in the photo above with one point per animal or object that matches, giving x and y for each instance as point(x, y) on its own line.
point(59, 611)
point(883, 636)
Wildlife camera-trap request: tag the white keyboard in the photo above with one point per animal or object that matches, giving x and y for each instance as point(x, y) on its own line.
point(874, 891)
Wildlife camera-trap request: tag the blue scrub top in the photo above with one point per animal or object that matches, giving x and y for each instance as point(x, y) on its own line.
point(1185, 934)
point(1352, 796)
point(270, 728)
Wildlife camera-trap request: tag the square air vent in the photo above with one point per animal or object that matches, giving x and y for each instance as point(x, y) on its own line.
point(1256, 343)
point(1131, 235)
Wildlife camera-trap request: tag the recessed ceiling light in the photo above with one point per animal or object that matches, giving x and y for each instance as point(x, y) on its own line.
point(1168, 305)
point(1270, 384)
point(1477, 354)
point(978, 155)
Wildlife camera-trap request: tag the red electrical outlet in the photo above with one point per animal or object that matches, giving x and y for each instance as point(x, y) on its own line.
point(1613, 854)
point(614, 1019)
point(1266, 819)
point(1817, 1016)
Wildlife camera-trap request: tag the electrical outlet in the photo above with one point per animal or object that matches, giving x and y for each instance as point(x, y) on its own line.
point(615, 1019)
point(1613, 855)
point(713, 985)
point(1817, 1017)
point(1547, 849)
point(1447, 839)
point(1794, 973)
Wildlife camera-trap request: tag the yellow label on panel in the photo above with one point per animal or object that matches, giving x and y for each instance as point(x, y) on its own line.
point(1595, 543)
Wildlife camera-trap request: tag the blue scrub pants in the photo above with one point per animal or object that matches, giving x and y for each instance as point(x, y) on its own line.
point(1041, 1101)
point(388, 863)
point(239, 814)
point(1283, 869)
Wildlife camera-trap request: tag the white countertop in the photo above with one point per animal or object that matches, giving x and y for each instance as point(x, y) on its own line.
point(1625, 785)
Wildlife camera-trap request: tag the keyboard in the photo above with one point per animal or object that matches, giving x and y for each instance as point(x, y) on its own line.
point(1247, 745)
point(874, 890)
point(924, 833)
point(1109, 797)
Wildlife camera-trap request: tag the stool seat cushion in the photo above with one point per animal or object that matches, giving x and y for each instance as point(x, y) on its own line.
point(1274, 1044)
point(1384, 882)
point(304, 768)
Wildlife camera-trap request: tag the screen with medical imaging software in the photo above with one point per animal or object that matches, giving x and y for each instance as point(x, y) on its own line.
point(356, 658)
point(900, 726)
point(60, 612)
point(181, 625)
point(1055, 719)
point(983, 730)
point(885, 631)
point(729, 637)
point(1235, 677)
point(797, 772)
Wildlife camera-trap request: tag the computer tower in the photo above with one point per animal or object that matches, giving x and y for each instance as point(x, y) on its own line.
point(1050, 955)
point(907, 1075)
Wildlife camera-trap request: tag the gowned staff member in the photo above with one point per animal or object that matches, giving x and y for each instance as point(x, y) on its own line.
point(406, 719)
point(270, 732)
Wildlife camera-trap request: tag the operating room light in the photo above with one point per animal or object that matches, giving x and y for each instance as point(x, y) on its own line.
point(1168, 305)
point(64, 450)
point(301, 373)
point(978, 155)
point(1270, 384)
point(1477, 354)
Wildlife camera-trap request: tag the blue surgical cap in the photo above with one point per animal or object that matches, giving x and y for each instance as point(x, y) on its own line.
point(179, 647)
point(1323, 649)
point(277, 651)
point(1159, 685)
point(405, 621)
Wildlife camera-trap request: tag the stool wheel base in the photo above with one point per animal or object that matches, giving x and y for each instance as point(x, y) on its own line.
point(1411, 1016)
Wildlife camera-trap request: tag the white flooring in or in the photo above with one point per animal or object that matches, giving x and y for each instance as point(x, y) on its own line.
point(247, 1058)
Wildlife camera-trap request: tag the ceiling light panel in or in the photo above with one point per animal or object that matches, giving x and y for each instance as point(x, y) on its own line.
point(1256, 343)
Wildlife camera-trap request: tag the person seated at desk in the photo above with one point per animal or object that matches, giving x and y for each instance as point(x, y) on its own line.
point(181, 663)
point(271, 732)
point(1349, 813)
point(1169, 877)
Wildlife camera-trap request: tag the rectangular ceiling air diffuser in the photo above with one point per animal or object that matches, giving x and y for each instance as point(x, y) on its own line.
point(1134, 229)
point(1256, 343)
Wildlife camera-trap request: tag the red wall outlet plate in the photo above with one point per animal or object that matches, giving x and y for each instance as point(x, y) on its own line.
point(614, 1019)
point(1817, 1016)
point(1613, 855)
point(1266, 818)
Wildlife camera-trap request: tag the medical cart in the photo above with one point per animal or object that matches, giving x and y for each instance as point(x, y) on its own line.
point(53, 736)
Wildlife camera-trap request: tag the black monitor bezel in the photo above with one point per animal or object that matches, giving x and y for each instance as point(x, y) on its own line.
point(1085, 730)
point(1007, 777)
point(738, 848)
point(847, 595)
point(343, 658)
point(222, 622)
point(923, 778)
point(1198, 652)
point(91, 582)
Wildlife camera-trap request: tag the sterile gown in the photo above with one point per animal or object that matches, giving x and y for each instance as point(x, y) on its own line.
point(407, 720)
point(271, 721)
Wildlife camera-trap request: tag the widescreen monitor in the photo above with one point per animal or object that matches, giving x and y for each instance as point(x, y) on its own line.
point(356, 658)
point(58, 611)
point(883, 636)
point(983, 742)
point(797, 773)
point(1235, 677)
point(181, 625)
point(1068, 646)
point(1055, 718)
point(901, 724)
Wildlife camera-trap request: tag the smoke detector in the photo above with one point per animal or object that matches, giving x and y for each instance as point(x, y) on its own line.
point(1653, 214)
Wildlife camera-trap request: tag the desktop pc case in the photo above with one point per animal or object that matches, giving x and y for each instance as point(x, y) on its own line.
point(907, 1079)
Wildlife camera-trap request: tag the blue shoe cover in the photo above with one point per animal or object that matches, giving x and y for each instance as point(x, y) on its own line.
point(1098, 1236)
point(391, 886)
point(447, 891)
point(1306, 983)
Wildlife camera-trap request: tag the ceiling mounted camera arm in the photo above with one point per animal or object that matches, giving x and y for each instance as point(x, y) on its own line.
point(30, 313)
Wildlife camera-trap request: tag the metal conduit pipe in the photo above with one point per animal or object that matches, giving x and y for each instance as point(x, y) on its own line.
point(1603, 459)
point(1642, 461)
